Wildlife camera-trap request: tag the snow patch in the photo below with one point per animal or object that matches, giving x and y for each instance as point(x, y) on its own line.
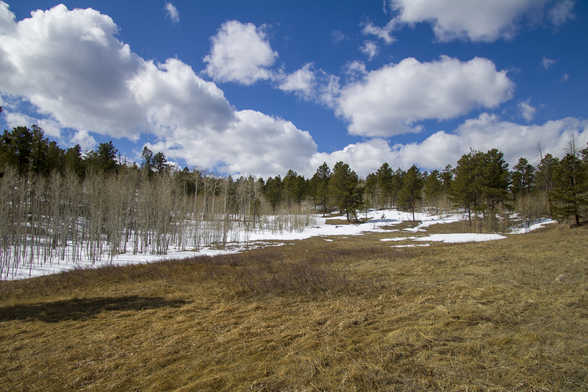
point(532, 225)
point(460, 237)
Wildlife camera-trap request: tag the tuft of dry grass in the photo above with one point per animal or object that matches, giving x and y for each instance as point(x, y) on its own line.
point(350, 315)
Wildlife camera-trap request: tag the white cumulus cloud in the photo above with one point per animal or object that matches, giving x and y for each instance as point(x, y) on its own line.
point(474, 20)
point(482, 133)
point(240, 53)
point(172, 12)
point(109, 90)
point(253, 144)
point(393, 99)
point(301, 81)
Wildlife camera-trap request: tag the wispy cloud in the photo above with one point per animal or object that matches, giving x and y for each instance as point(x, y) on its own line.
point(527, 110)
point(172, 12)
point(370, 49)
point(547, 62)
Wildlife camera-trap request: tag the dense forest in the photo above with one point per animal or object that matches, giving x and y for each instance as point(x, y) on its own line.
point(62, 204)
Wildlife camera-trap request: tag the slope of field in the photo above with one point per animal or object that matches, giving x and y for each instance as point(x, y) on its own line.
point(352, 314)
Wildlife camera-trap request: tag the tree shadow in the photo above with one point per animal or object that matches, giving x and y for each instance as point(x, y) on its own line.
point(84, 308)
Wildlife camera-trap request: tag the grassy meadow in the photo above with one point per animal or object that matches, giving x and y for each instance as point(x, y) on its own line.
point(353, 314)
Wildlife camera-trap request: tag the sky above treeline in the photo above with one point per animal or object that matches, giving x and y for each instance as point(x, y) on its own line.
point(259, 87)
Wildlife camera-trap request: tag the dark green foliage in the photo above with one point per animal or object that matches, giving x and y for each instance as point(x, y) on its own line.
point(481, 183)
point(385, 185)
point(319, 186)
point(73, 161)
point(569, 195)
point(294, 187)
point(411, 191)
point(447, 178)
point(523, 178)
point(545, 172)
point(433, 186)
point(495, 180)
point(103, 159)
point(272, 190)
point(345, 191)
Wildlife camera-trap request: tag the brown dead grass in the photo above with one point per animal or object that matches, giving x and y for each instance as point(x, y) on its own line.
point(352, 315)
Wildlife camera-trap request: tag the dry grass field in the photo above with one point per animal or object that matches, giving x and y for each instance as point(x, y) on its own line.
point(354, 314)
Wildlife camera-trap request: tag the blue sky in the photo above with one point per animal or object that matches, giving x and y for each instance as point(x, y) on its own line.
point(260, 87)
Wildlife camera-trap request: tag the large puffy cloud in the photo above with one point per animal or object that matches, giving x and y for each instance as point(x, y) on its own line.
point(393, 99)
point(107, 89)
point(87, 90)
point(482, 133)
point(172, 96)
point(253, 144)
point(475, 20)
point(240, 53)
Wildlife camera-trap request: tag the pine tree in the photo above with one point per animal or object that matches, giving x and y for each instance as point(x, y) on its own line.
point(433, 187)
point(523, 178)
point(385, 185)
point(465, 190)
point(569, 195)
point(411, 191)
point(344, 190)
point(320, 184)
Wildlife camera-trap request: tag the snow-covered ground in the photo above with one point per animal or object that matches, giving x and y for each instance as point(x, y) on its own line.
point(531, 226)
point(376, 221)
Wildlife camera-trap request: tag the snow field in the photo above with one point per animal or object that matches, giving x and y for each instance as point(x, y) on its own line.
point(242, 241)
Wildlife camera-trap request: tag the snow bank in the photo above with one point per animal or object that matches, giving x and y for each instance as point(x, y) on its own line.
point(460, 237)
point(532, 225)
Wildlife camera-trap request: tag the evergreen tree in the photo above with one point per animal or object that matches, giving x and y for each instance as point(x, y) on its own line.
point(465, 191)
point(160, 164)
point(411, 191)
point(295, 187)
point(569, 195)
point(371, 188)
point(385, 185)
point(433, 187)
point(447, 178)
point(481, 183)
point(73, 161)
point(344, 190)
point(103, 159)
point(495, 179)
point(523, 178)
point(320, 184)
point(273, 191)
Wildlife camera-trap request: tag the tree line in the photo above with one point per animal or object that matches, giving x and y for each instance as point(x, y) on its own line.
point(481, 183)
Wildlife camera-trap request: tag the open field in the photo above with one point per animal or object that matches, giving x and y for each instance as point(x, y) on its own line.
point(353, 314)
